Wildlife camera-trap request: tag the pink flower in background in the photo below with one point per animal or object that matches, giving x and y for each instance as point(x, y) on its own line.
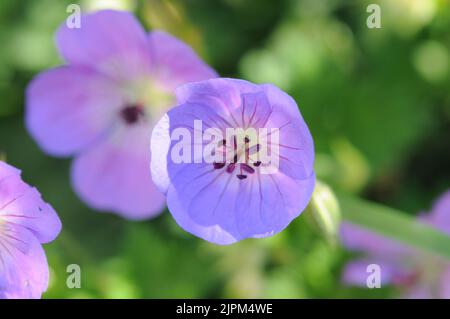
point(102, 105)
point(26, 222)
point(416, 274)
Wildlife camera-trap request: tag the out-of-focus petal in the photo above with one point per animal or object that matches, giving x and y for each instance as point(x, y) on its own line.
point(110, 41)
point(174, 62)
point(356, 272)
point(440, 213)
point(115, 175)
point(418, 292)
point(360, 239)
point(69, 108)
point(445, 284)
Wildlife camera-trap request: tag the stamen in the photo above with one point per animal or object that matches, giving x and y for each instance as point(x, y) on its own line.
point(247, 168)
point(230, 168)
point(257, 163)
point(241, 176)
point(218, 165)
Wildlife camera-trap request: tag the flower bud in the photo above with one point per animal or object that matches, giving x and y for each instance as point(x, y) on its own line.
point(325, 210)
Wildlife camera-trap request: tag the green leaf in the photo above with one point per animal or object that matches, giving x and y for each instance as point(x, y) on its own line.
point(394, 224)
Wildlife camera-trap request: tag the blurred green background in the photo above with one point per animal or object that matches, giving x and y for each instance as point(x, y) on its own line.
point(376, 100)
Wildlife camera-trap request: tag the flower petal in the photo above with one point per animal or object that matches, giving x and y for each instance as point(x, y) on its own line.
point(23, 264)
point(223, 212)
point(201, 198)
point(440, 213)
point(199, 208)
point(110, 41)
point(267, 204)
point(115, 176)
point(221, 95)
point(360, 239)
point(174, 62)
point(22, 205)
point(296, 147)
point(445, 284)
point(68, 108)
point(357, 272)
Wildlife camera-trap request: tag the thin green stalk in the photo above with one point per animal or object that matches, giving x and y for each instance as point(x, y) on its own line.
point(394, 224)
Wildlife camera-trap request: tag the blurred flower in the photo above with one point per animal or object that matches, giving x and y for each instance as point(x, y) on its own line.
point(431, 60)
point(416, 274)
point(26, 222)
point(101, 107)
point(224, 202)
point(407, 17)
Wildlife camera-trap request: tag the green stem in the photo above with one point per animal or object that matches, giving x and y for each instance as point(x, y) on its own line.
point(394, 224)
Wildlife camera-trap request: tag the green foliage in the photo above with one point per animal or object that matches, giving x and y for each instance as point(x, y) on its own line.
point(376, 101)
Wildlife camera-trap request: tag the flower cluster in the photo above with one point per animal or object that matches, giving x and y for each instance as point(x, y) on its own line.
point(101, 108)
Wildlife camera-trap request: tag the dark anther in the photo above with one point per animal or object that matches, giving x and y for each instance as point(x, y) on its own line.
point(247, 168)
point(230, 168)
point(235, 159)
point(131, 114)
point(241, 176)
point(257, 163)
point(246, 139)
point(218, 165)
point(223, 142)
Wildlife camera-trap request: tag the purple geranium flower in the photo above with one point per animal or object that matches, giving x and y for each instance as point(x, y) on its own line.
point(26, 222)
point(239, 196)
point(416, 274)
point(102, 105)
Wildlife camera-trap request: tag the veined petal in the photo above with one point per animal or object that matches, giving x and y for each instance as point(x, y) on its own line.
point(269, 202)
point(221, 95)
point(23, 265)
point(296, 147)
point(206, 201)
point(22, 205)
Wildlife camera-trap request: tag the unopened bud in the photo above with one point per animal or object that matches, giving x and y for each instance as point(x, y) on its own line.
point(325, 211)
